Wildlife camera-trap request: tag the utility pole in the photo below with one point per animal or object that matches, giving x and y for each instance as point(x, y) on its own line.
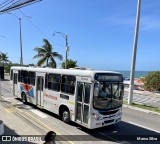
point(66, 51)
point(20, 33)
point(130, 96)
point(67, 47)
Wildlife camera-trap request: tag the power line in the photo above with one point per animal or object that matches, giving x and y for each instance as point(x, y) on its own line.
point(10, 5)
point(40, 29)
point(5, 4)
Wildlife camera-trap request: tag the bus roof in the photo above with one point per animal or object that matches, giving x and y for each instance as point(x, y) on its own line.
point(76, 72)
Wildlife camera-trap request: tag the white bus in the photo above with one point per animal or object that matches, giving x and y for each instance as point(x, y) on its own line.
point(73, 94)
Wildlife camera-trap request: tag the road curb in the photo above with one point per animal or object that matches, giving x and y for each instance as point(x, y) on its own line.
point(140, 109)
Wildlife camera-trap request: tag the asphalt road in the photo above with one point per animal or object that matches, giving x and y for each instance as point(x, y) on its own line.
point(135, 127)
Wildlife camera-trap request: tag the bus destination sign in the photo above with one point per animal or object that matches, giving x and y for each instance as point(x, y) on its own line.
point(108, 77)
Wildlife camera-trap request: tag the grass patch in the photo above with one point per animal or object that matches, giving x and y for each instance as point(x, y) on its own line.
point(143, 107)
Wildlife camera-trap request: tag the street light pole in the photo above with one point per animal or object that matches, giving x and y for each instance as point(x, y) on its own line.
point(130, 97)
point(20, 33)
point(66, 51)
point(67, 48)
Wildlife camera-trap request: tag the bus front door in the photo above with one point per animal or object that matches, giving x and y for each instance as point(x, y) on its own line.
point(39, 93)
point(82, 104)
point(15, 84)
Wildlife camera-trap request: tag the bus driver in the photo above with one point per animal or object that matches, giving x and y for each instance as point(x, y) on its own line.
point(105, 91)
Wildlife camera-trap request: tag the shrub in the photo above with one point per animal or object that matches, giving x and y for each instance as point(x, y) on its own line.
point(152, 81)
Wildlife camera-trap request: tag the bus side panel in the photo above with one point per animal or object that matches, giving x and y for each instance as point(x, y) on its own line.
point(54, 100)
point(68, 100)
point(51, 100)
point(19, 91)
point(30, 93)
point(71, 106)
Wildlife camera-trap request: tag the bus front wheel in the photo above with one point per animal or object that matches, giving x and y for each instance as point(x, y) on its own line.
point(66, 116)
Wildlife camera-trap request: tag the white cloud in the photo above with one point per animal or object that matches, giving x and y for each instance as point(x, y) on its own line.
point(150, 23)
point(119, 20)
point(147, 23)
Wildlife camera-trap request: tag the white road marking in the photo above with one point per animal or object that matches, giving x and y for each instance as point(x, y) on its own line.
point(9, 98)
point(144, 127)
point(40, 114)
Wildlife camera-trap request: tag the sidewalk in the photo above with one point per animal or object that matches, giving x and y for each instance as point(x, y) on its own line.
point(19, 126)
point(15, 126)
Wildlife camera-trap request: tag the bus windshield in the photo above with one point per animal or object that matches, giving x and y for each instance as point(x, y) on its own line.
point(110, 94)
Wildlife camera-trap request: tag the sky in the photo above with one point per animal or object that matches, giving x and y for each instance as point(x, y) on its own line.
point(100, 32)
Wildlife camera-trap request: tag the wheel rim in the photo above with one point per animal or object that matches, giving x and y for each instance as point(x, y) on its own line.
point(65, 116)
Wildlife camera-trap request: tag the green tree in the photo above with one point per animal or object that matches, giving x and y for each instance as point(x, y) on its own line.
point(7, 67)
point(4, 58)
point(46, 54)
point(31, 64)
point(70, 64)
point(152, 81)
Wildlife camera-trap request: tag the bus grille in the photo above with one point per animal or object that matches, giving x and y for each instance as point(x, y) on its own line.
point(108, 121)
point(108, 112)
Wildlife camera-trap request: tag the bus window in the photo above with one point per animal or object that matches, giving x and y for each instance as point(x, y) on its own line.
point(40, 83)
point(31, 78)
point(11, 77)
point(87, 93)
point(80, 91)
point(53, 82)
point(15, 78)
point(19, 76)
point(24, 77)
point(68, 84)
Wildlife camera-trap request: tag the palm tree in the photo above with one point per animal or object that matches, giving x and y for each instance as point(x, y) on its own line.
point(46, 55)
point(4, 58)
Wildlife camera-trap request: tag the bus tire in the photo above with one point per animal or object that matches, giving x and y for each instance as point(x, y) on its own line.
point(66, 116)
point(24, 98)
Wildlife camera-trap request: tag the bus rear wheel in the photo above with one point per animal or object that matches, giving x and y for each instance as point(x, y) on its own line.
point(24, 98)
point(66, 116)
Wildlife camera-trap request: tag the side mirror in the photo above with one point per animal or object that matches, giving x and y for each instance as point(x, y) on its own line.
point(96, 89)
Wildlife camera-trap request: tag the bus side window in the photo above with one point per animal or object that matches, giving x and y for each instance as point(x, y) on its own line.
point(19, 76)
point(87, 93)
point(24, 77)
point(31, 78)
point(11, 77)
point(15, 79)
point(46, 81)
point(39, 84)
point(68, 84)
point(53, 82)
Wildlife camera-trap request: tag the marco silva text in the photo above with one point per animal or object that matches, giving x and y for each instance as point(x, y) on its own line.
point(150, 138)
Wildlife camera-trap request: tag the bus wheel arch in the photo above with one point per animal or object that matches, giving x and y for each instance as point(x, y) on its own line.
point(64, 113)
point(24, 97)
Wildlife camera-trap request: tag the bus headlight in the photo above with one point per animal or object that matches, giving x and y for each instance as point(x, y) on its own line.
point(96, 116)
